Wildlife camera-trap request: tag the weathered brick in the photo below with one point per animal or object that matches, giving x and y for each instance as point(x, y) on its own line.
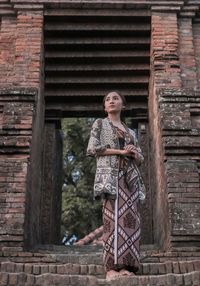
point(183, 267)
point(44, 268)
point(145, 268)
point(190, 266)
point(60, 269)
point(83, 269)
point(176, 269)
point(4, 278)
point(68, 268)
point(19, 267)
point(28, 268)
point(161, 268)
point(168, 266)
point(30, 280)
point(195, 278)
point(22, 278)
point(100, 270)
point(76, 269)
point(178, 280)
point(196, 265)
point(92, 269)
point(13, 278)
point(187, 279)
point(36, 269)
point(52, 268)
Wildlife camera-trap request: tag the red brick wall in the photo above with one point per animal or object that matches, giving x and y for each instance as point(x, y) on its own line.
point(165, 72)
point(196, 41)
point(186, 53)
point(16, 132)
point(7, 50)
point(28, 49)
point(21, 123)
point(174, 58)
point(164, 50)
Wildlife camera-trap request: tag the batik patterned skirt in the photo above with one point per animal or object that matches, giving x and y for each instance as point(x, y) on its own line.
point(121, 229)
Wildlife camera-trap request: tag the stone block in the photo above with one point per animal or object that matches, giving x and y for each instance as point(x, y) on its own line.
point(13, 279)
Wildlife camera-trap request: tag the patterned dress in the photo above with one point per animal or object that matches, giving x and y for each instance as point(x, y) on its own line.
point(121, 221)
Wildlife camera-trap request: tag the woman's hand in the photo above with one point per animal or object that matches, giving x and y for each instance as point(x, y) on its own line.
point(131, 148)
point(125, 152)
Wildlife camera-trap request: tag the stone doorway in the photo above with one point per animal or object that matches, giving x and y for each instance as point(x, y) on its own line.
point(88, 52)
point(52, 184)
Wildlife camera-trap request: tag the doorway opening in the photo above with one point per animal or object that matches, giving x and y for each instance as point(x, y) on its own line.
point(89, 52)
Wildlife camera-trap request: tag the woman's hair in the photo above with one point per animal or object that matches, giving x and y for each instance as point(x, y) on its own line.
point(122, 97)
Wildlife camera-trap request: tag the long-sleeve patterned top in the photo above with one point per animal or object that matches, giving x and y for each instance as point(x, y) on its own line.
point(104, 136)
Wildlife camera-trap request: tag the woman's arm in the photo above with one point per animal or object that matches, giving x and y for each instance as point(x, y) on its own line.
point(115, 152)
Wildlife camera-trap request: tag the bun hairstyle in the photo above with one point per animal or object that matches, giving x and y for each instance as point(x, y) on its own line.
point(122, 97)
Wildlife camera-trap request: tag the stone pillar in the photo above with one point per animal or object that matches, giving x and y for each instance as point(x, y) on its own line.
point(52, 184)
point(165, 72)
point(146, 208)
point(21, 127)
point(16, 117)
point(174, 141)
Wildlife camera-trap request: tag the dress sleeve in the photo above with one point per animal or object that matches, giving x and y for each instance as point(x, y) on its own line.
point(95, 143)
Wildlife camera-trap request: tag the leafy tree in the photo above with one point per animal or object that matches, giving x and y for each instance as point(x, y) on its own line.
point(80, 213)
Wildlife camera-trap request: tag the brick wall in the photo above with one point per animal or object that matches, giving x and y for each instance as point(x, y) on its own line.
point(21, 127)
point(7, 50)
point(176, 152)
point(173, 116)
point(196, 41)
point(16, 114)
point(164, 50)
point(186, 53)
point(165, 72)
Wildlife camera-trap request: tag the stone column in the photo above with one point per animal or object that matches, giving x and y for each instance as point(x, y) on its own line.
point(52, 184)
point(165, 72)
point(21, 127)
point(175, 143)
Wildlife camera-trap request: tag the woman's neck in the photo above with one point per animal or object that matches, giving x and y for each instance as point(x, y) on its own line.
point(115, 118)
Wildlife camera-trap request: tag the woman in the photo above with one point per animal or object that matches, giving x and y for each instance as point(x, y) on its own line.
point(118, 184)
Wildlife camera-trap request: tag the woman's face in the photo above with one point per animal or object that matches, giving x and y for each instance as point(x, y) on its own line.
point(113, 103)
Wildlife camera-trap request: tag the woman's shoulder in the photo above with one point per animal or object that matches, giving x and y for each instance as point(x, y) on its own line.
point(100, 121)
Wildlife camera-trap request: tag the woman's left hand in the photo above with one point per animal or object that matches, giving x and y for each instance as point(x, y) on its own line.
point(132, 149)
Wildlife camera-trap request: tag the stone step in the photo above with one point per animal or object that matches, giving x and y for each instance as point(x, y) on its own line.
point(84, 249)
point(24, 279)
point(59, 267)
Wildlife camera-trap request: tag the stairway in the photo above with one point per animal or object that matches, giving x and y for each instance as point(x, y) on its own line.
point(82, 265)
point(89, 52)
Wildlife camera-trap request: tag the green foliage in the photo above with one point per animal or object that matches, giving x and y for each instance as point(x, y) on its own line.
point(80, 213)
